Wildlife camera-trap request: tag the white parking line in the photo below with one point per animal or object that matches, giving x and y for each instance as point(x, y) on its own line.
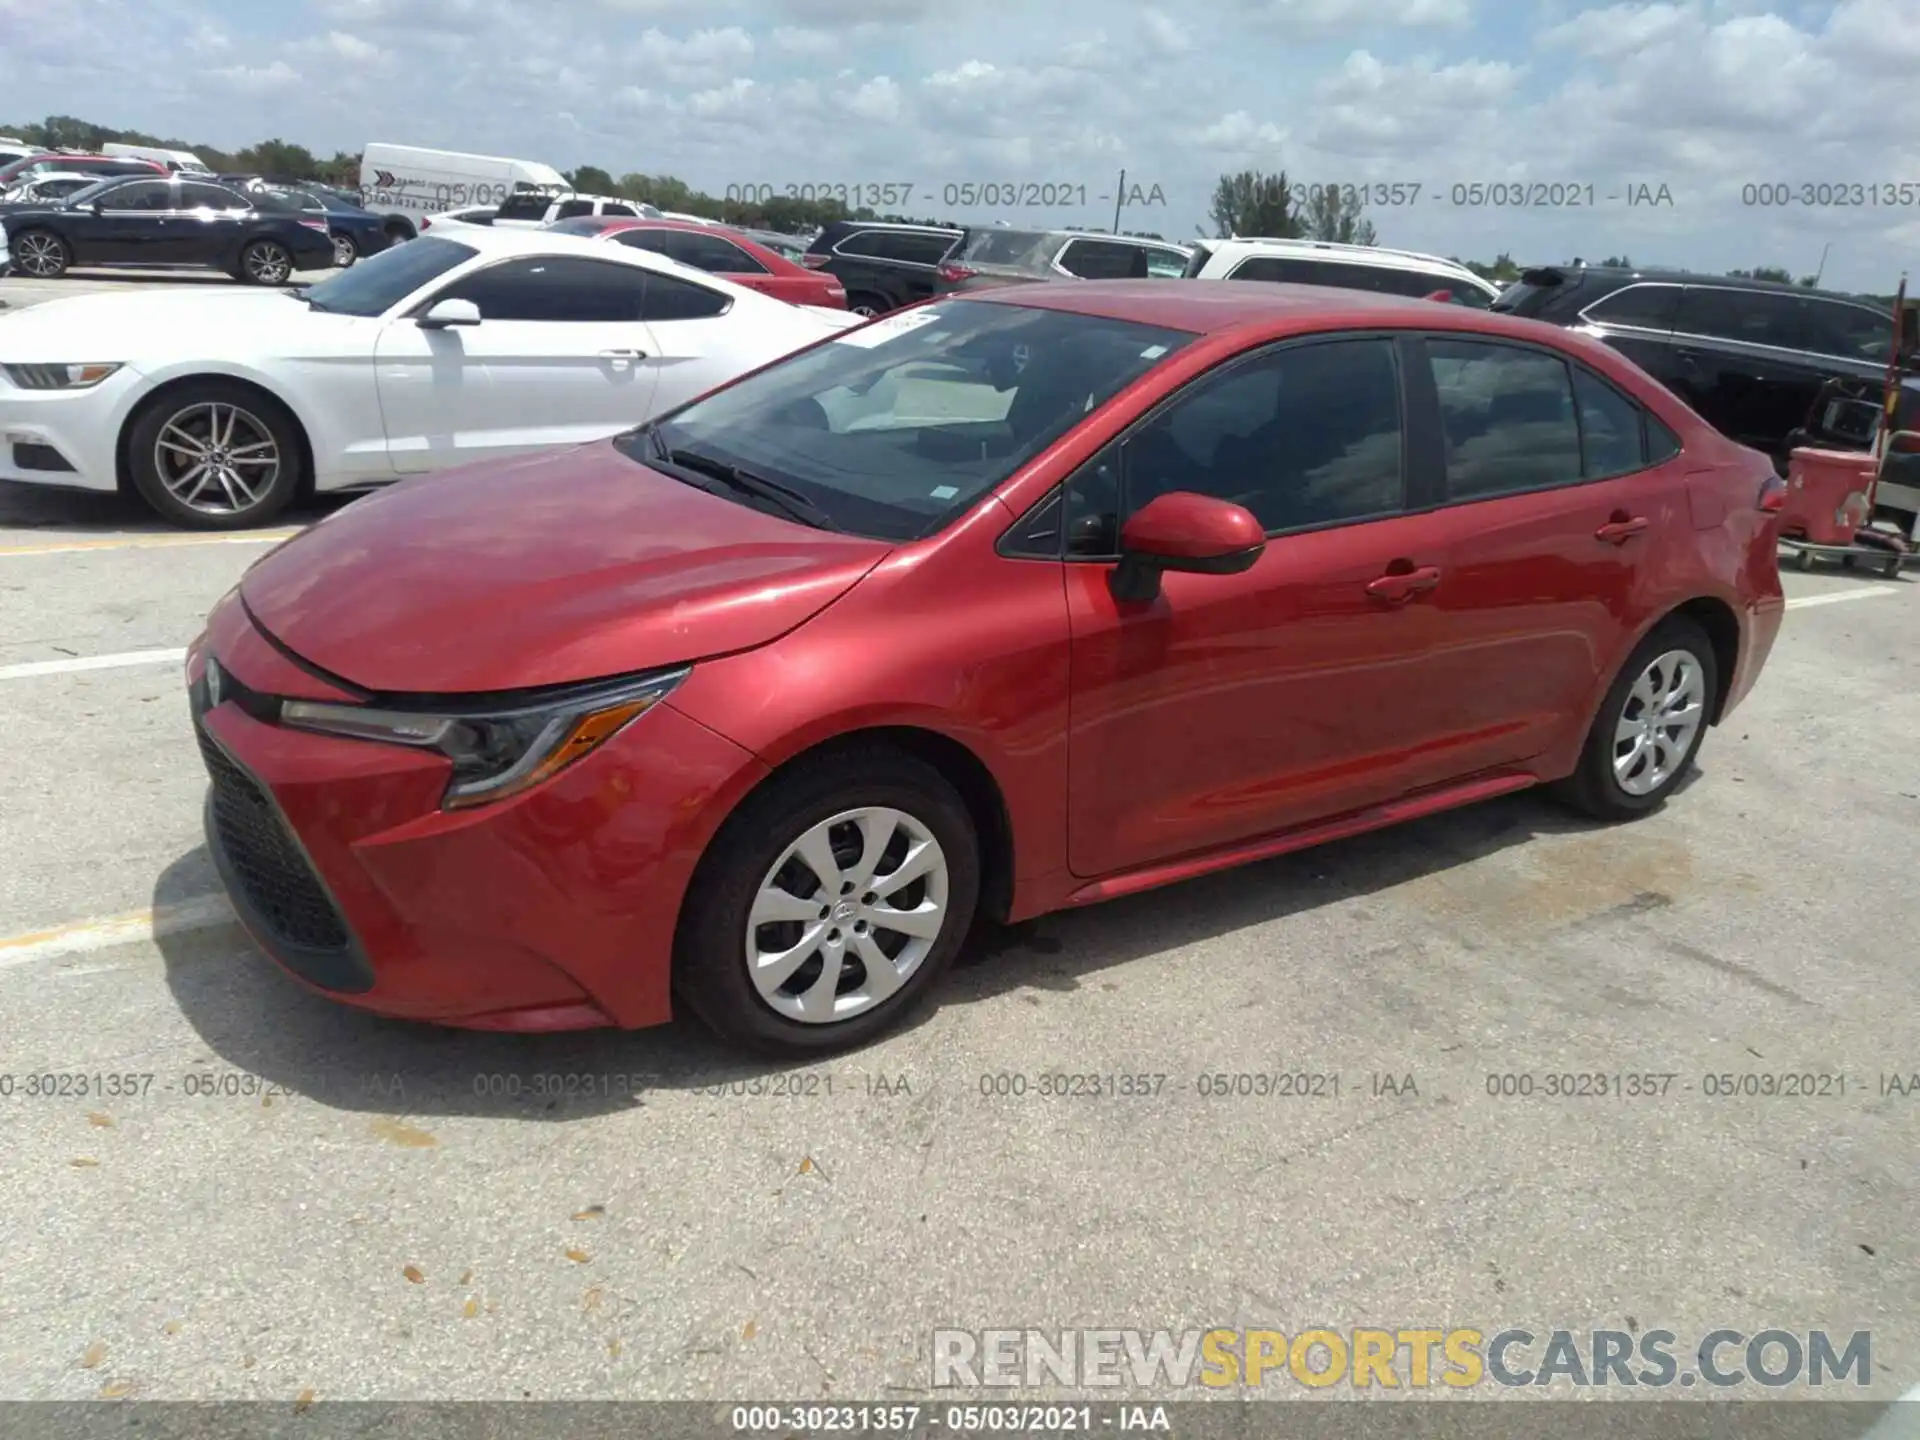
point(1840, 597)
point(28, 669)
point(204, 912)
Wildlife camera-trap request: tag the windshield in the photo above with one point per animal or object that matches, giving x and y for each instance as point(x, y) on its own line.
point(376, 284)
point(894, 428)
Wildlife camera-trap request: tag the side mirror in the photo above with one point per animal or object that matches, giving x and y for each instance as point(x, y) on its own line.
point(1181, 531)
point(448, 313)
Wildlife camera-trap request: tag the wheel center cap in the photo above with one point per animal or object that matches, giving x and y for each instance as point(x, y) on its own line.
point(844, 910)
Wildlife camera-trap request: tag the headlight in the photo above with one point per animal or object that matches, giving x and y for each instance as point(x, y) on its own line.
point(58, 377)
point(497, 753)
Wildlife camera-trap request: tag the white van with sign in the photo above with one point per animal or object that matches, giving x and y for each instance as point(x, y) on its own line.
point(176, 162)
point(404, 184)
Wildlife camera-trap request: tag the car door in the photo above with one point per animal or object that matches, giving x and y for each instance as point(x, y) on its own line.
point(1564, 505)
point(210, 220)
point(698, 342)
point(132, 226)
point(1637, 320)
point(1742, 362)
point(1235, 705)
point(560, 356)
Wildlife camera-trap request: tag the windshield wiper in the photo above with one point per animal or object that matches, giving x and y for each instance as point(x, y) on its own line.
point(783, 497)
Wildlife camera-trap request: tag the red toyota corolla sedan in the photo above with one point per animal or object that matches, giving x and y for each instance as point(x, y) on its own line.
point(989, 607)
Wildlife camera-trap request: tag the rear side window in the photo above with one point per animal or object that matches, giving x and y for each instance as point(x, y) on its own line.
point(573, 209)
point(1850, 330)
point(1104, 260)
point(907, 247)
point(670, 298)
point(614, 207)
point(1662, 443)
point(527, 205)
point(1507, 414)
point(1758, 317)
point(1610, 439)
point(1647, 307)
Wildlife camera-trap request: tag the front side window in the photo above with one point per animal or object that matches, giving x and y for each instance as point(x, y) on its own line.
point(140, 195)
point(553, 288)
point(573, 209)
point(1852, 331)
point(904, 246)
point(894, 428)
point(375, 285)
point(1507, 415)
point(1304, 436)
point(526, 205)
point(1104, 260)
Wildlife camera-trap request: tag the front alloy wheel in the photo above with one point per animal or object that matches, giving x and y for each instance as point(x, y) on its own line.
point(344, 251)
point(829, 903)
point(40, 255)
point(214, 455)
point(846, 915)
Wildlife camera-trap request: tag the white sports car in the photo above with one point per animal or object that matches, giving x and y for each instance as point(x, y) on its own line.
point(218, 407)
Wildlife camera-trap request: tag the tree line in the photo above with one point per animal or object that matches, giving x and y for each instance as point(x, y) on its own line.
point(1248, 202)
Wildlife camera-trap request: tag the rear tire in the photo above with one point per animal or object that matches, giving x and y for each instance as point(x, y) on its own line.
point(241, 432)
point(906, 816)
point(1650, 726)
point(40, 255)
point(266, 262)
point(345, 251)
point(867, 304)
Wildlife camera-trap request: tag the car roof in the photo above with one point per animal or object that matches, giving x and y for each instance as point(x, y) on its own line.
point(510, 242)
point(1208, 307)
point(1657, 275)
point(1383, 256)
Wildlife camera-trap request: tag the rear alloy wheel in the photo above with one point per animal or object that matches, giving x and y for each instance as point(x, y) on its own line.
point(866, 306)
point(1649, 729)
point(266, 262)
point(345, 252)
point(214, 456)
point(829, 904)
point(40, 254)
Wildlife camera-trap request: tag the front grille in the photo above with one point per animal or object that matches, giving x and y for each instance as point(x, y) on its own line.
point(266, 861)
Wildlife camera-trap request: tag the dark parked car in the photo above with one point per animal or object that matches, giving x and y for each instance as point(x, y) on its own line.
point(1846, 416)
point(355, 231)
point(1750, 356)
point(254, 237)
point(101, 166)
point(882, 266)
point(990, 257)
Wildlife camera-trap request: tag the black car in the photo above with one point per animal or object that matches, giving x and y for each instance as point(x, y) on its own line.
point(355, 232)
point(1750, 356)
point(882, 266)
point(254, 237)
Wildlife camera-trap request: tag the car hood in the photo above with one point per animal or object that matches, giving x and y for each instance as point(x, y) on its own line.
point(134, 326)
point(569, 565)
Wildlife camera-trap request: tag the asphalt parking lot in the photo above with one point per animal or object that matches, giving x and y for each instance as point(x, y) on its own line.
point(305, 1200)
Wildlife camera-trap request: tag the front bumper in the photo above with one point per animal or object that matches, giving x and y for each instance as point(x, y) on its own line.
point(553, 910)
point(65, 438)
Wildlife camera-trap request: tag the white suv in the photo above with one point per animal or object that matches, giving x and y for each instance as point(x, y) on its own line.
point(532, 209)
point(1350, 267)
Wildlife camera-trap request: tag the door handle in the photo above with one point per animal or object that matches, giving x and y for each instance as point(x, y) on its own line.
point(1618, 532)
point(1404, 585)
point(623, 354)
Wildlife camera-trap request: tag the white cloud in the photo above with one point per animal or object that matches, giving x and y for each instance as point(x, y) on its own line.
point(1332, 17)
point(1165, 34)
point(878, 99)
point(704, 49)
point(1240, 134)
point(800, 40)
point(258, 79)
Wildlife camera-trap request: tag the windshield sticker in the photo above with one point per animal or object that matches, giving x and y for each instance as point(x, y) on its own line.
point(943, 492)
point(893, 326)
point(1153, 352)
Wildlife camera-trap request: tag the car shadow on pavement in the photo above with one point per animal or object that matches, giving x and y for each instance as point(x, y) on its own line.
point(104, 515)
point(254, 1019)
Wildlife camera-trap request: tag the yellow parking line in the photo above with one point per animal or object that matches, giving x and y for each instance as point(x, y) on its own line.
point(201, 913)
point(150, 542)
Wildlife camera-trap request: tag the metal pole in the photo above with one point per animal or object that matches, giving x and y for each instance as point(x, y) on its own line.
point(1823, 264)
point(1119, 199)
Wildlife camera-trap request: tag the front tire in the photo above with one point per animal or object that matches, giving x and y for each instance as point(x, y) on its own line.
point(867, 305)
point(345, 252)
point(829, 905)
point(212, 455)
point(1650, 726)
point(266, 262)
point(40, 254)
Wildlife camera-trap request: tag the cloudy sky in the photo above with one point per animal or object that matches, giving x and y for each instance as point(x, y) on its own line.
point(1705, 98)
